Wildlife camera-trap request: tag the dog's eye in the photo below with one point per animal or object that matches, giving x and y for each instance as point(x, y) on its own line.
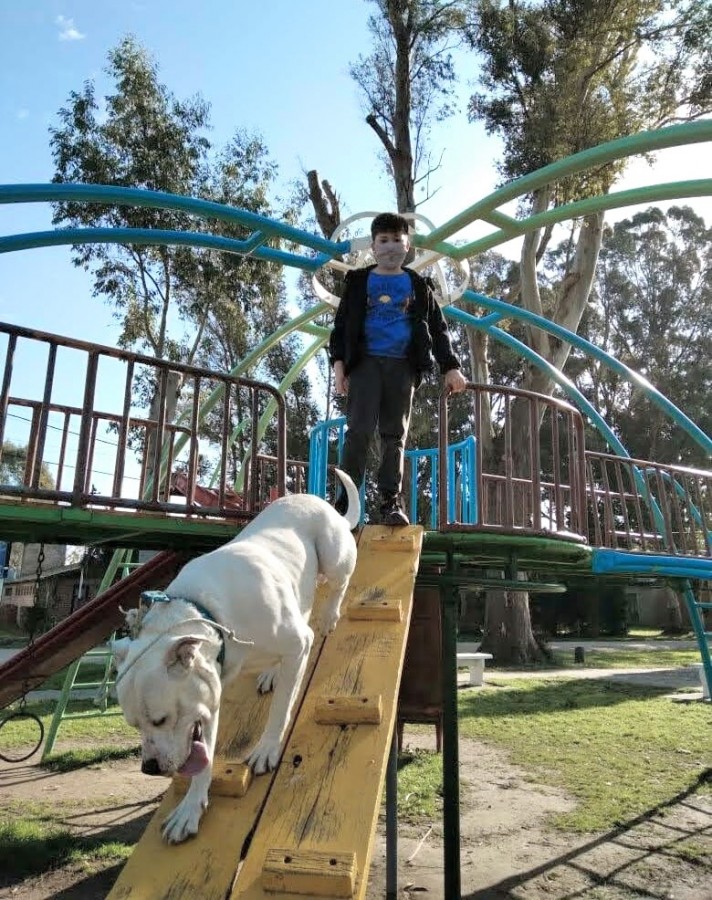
point(158, 722)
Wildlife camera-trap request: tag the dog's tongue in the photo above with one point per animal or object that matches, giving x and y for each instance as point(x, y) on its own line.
point(197, 760)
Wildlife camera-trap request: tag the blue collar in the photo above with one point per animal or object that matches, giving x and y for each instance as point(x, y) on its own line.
point(148, 598)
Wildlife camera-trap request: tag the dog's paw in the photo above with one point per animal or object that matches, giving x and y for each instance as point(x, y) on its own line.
point(183, 822)
point(329, 622)
point(265, 756)
point(267, 680)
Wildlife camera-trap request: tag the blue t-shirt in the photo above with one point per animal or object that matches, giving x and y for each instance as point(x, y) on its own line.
point(388, 327)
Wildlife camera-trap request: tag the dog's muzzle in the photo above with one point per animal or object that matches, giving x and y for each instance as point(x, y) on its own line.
point(151, 767)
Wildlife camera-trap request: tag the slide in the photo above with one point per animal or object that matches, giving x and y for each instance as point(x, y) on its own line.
point(85, 628)
point(306, 830)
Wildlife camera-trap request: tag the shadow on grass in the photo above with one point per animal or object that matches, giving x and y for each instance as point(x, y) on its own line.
point(33, 847)
point(78, 759)
point(667, 841)
point(542, 696)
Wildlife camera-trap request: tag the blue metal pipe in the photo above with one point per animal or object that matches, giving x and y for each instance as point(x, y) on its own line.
point(149, 236)
point(205, 209)
point(575, 340)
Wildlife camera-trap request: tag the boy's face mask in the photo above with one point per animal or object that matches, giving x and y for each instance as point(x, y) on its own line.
point(390, 249)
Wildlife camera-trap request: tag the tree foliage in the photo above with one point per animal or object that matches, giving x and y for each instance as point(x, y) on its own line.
point(652, 309)
point(407, 85)
point(13, 461)
point(195, 306)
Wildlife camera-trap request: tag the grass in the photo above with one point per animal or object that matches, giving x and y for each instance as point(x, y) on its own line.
point(621, 750)
point(108, 730)
point(420, 780)
point(33, 843)
point(87, 756)
point(630, 659)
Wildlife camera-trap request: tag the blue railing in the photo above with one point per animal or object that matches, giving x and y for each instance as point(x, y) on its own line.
point(326, 441)
point(461, 482)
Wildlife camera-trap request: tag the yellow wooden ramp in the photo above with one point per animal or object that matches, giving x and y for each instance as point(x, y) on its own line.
point(306, 830)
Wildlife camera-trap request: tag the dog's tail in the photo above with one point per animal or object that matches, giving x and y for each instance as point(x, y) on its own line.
point(353, 510)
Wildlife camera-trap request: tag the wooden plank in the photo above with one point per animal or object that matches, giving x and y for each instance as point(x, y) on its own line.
point(205, 866)
point(326, 796)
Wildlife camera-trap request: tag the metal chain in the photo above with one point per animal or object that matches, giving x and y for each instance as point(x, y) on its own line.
point(34, 619)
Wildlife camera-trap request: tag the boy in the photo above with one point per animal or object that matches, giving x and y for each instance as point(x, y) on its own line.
point(387, 328)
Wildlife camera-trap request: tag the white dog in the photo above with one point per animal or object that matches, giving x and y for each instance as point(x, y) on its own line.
point(259, 590)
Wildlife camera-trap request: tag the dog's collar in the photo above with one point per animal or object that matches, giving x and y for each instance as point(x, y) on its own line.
point(148, 598)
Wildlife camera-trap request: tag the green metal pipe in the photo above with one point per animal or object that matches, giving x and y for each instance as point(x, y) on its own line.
point(449, 597)
point(630, 145)
point(470, 542)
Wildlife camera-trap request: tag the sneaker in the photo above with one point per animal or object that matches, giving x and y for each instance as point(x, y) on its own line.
point(391, 512)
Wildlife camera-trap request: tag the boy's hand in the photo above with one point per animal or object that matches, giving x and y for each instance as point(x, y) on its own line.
point(455, 381)
point(341, 382)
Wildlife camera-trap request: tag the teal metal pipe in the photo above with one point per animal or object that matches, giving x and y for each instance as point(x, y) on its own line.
point(510, 311)
point(205, 209)
point(150, 236)
point(606, 561)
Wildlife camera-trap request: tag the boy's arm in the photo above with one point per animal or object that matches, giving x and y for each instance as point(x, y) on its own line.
point(336, 342)
point(442, 346)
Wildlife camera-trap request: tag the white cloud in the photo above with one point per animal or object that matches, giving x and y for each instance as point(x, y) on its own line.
point(68, 30)
point(22, 114)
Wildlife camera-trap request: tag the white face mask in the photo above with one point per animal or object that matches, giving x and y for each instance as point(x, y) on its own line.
point(390, 249)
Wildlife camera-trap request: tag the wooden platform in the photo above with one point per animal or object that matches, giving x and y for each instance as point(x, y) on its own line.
point(311, 825)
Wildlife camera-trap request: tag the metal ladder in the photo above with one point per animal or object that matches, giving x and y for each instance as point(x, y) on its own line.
point(71, 685)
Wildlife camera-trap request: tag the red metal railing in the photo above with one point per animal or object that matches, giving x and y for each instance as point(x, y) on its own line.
point(77, 410)
point(648, 507)
point(538, 484)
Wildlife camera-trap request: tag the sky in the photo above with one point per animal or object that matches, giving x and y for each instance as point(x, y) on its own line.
point(280, 69)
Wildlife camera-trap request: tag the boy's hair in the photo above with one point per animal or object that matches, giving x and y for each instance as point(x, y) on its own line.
point(389, 222)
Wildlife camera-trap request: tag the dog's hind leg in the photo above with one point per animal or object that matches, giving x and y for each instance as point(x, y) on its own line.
point(265, 755)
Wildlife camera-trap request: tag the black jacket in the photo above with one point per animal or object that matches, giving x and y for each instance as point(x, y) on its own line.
point(429, 336)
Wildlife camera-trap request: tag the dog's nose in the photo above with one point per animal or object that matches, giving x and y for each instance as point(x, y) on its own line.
point(150, 767)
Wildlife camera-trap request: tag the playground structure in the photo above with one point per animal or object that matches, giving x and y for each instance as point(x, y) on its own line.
point(574, 511)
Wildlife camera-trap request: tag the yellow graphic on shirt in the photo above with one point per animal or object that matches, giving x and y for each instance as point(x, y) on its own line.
point(384, 298)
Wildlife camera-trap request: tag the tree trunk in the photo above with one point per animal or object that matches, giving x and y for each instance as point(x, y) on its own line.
point(508, 634)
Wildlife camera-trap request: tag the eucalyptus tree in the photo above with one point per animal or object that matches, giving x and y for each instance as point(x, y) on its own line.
point(651, 307)
point(187, 305)
point(558, 77)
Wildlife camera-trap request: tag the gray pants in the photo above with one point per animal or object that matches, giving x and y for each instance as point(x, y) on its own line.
point(380, 398)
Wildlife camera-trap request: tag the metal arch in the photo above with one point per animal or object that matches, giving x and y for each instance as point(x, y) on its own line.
point(487, 209)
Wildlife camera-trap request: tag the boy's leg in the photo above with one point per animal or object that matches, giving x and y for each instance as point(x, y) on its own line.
point(396, 403)
point(362, 404)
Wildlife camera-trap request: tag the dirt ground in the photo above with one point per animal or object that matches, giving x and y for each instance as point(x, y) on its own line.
point(508, 851)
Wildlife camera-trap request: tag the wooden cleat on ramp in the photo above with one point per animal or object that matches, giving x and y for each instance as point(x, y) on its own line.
point(349, 710)
point(312, 873)
point(375, 605)
point(230, 779)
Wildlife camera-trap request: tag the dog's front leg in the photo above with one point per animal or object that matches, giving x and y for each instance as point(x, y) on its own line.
point(183, 822)
point(265, 756)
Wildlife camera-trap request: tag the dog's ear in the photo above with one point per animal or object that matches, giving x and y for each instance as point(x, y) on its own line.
point(183, 651)
point(120, 650)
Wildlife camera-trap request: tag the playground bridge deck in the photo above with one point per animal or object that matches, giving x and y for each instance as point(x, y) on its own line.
point(83, 464)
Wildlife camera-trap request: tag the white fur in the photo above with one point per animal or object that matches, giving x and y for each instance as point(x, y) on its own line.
point(261, 585)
